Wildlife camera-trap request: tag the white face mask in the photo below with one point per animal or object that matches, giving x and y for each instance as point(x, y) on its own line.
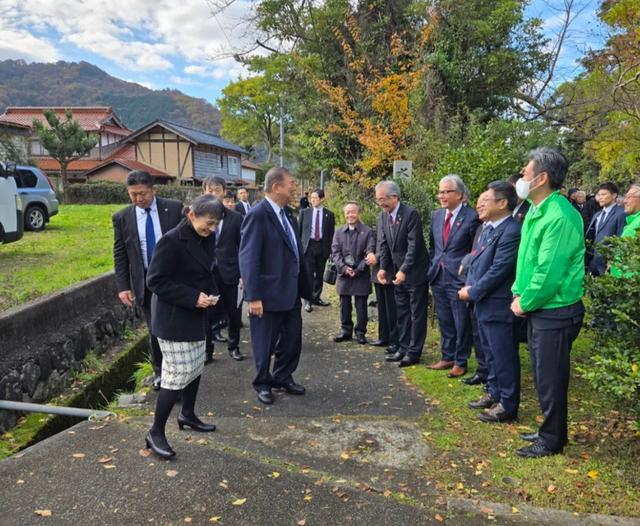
point(523, 188)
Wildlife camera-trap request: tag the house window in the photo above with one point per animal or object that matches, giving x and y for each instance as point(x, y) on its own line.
point(37, 149)
point(234, 166)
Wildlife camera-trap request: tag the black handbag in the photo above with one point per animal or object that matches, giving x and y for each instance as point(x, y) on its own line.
point(330, 273)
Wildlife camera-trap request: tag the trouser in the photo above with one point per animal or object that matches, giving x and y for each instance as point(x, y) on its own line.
point(154, 346)
point(478, 344)
point(315, 261)
point(411, 305)
point(387, 315)
point(551, 335)
point(346, 322)
point(230, 310)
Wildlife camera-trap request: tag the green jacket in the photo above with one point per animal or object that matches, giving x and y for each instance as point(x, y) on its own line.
point(550, 268)
point(630, 230)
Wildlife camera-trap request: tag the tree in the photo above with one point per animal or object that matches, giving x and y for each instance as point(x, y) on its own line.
point(65, 141)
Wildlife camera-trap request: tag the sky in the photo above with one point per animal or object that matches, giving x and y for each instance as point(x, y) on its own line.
point(187, 44)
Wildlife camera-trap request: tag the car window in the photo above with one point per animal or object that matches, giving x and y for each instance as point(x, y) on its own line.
point(26, 179)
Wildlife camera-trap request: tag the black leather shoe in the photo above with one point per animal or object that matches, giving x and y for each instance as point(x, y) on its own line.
point(476, 379)
point(208, 359)
point(321, 303)
point(379, 343)
point(195, 423)
point(265, 396)
point(484, 403)
point(362, 340)
point(159, 445)
point(396, 357)
point(236, 355)
point(530, 437)
point(308, 307)
point(157, 381)
point(408, 360)
point(392, 349)
point(496, 415)
point(341, 338)
point(217, 337)
point(291, 388)
point(536, 450)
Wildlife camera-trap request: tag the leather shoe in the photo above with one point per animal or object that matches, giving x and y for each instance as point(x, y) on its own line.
point(321, 303)
point(194, 423)
point(291, 388)
point(457, 371)
point(530, 437)
point(236, 354)
point(441, 365)
point(392, 349)
point(379, 343)
point(497, 414)
point(265, 396)
point(362, 340)
point(157, 382)
point(484, 403)
point(159, 445)
point(217, 337)
point(341, 338)
point(408, 360)
point(208, 359)
point(536, 450)
point(308, 307)
point(396, 357)
point(476, 379)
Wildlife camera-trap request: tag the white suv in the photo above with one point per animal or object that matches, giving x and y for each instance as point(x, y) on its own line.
point(11, 219)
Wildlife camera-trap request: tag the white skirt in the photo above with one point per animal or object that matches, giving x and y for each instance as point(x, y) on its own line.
point(182, 362)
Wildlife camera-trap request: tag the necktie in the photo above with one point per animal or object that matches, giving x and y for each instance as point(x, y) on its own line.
point(150, 235)
point(292, 240)
point(447, 227)
point(390, 219)
point(486, 232)
point(316, 236)
point(601, 219)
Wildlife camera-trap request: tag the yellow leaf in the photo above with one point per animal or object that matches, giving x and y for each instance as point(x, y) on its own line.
point(459, 485)
point(239, 502)
point(345, 456)
point(171, 473)
point(593, 474)
point(308, 498)
point(78, 455)
point(188, 519)
point(439, 517)
point(108, 466)
point(514, 509)
point(43, 513)
point(571, 471)
point(275, 475)
point(105, 460)
point(217, 518)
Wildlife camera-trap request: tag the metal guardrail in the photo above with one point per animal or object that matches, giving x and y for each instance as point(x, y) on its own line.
point(78, 412)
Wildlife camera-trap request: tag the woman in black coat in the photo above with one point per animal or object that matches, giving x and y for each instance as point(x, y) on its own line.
point(180, 276)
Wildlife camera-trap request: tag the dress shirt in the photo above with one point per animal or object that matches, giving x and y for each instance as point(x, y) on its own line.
point(496, 224)
point(246, 206)
point(454, 213)
point(313, 223)
point(603, 215)
point(141, 220)
point(394, 212)
point(276, 209)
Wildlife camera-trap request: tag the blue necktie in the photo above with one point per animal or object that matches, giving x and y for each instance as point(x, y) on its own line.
point(292, 241)
point(150, 235)
point(485, 235)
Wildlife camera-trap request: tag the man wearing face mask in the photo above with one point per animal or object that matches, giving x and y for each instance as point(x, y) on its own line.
point(548, 289)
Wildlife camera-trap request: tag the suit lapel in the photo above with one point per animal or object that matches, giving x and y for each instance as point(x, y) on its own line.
point(278, 224)
point(457, 223)
point(493, 237)
point(133, 224)
point(163, 214)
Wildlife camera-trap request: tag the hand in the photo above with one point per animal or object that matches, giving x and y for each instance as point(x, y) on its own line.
point(516, 309)
point(256, 309)
point(126, 297)
point(204, 301)
point(371, 259)
point(463, 293)
point(350, 272)
point(400, 278)
point(382, 276)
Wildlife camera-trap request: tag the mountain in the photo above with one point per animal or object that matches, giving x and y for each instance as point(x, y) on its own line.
point(83, 84)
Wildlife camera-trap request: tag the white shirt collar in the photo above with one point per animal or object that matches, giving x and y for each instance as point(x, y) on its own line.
point(607, 209)
point(455, 212)
point(142, 211)
point(394, 212)
point(496, 224)
point(276, 207)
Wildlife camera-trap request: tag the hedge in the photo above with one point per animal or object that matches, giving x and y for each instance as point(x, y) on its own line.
point(102, 193)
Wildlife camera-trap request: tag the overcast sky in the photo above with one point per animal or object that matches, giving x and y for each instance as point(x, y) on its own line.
point(181, 44)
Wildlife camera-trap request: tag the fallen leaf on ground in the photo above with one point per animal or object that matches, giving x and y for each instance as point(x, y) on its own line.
point(217, 518)
point(144, 452)
point(439, 517)
point(104, 460)
point(171, 473)
point(344, 456)
point(274, 475)
point(108, 466)
point(43, 513)
point(78, 455)
point(301, 522)
point(239, 502)
point(514, 509)
point(201, 441)
point(486, 510)
point(593, 474)
point(188, 519)
point(308, 498)
point(571, 471)
point(19, 481)
point(223, 484)
point(551, 489)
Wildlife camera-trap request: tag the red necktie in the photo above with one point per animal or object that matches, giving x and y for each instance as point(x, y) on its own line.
point(447, 227)
point(317, 233)
point(390, 219)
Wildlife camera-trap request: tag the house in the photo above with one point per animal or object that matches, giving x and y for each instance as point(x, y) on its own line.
point(101, 121)
point(171, 151)
point(14, 140)
point(249, 169)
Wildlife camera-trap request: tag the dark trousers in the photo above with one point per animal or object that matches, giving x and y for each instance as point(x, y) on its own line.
point(551, 334)
point(503, 363)
point(230, 311)
point(411, 306)
point(280, 334)
point(478, 344)
point(453, 319)
point(154, 346)
point(387, 316)
point(346, 322)
point(315, 260)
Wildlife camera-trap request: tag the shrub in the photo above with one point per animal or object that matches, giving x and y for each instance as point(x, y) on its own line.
point(104, 192)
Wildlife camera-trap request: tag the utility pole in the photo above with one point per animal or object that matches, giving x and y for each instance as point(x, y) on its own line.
point(322, 179)
point(281, 136)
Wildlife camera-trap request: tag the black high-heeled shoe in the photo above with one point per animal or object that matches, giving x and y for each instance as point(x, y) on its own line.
point(195, 423)
point(159, 446)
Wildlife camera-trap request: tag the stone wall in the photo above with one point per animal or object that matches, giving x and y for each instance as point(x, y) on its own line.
point(44, 341)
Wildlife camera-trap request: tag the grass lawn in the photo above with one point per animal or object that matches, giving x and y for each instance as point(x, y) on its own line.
point(597, 474)
point(77, 244)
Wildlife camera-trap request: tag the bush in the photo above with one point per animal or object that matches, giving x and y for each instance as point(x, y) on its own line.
point(614, 307)
point(104, 192)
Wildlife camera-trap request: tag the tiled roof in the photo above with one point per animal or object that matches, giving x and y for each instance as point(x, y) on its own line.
point(51, 165)
point(10, 124)
point(250, 165)
point(130, 164)
point(90, 118)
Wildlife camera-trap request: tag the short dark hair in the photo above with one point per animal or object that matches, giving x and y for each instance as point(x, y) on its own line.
point(572, 191)
point(207, 205)
point(611, 187)
point(139, 177)
point(504, 190)
point(214, 180)
point(514, 178)
point(230, 194)
point(274, 176)
point(320, 192)
point(551, 161)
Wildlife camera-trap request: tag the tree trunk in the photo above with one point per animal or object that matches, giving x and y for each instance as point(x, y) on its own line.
point(62, 182)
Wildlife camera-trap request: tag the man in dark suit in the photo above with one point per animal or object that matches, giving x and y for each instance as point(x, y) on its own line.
point(317, 225)
point(610, 221)
point(452, 231)
point(272, 269)
point(403, 261)
point(243, 206)
point(137, 228)
point(491, 271)
point(522, 206)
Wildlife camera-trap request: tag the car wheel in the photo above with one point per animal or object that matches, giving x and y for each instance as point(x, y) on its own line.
point(34, 219)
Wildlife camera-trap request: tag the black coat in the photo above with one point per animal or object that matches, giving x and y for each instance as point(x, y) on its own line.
point(181, 268)
point(356, 245)
point(240, 208)
point(127, 257)
point(227, 248)
point(328, 228)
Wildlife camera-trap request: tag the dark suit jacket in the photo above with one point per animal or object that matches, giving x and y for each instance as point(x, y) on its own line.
point(268, 265)
point(127, 257)
point(402, 246)
point(492, 270)
point(447, 258)
point(227, 248)
point(522, 212)
point(328, 229)
point(360, 285)
point(181, 268)
point(240, 209)
point(613, 224)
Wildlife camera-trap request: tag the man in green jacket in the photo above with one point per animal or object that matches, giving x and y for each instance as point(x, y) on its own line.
point(632, 209)
point(547, 290)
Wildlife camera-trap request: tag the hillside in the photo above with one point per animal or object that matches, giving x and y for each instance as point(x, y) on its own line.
point(83, 84)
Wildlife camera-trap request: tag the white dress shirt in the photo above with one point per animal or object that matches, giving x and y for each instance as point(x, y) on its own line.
point(313, 223)
point(141, 219)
